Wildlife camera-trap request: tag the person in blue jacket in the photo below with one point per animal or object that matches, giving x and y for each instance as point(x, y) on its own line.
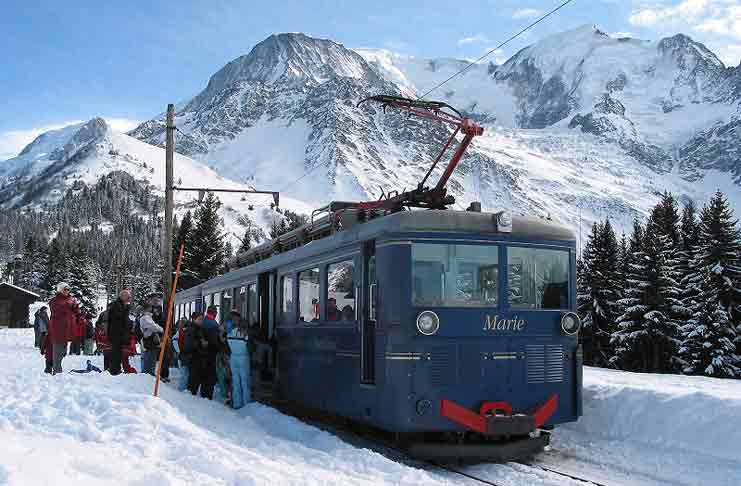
point(239, 362)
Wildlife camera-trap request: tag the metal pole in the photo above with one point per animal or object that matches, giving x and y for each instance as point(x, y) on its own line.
point(169, 199)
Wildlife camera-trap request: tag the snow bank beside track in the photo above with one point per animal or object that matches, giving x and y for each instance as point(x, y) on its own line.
point(644, 429)
point(690, 413)
point(101, 430)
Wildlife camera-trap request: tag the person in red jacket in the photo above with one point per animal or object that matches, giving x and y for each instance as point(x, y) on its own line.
point(128, 350)
point(78, 335)
point(62, 325)
point(101, 340)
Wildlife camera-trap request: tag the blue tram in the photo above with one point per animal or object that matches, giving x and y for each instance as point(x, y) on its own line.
point(429, 324)
point(454, 330)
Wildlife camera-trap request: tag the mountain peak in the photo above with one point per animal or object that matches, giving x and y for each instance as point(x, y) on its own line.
point(89, 133)
point(682, 45)
point(287, 58)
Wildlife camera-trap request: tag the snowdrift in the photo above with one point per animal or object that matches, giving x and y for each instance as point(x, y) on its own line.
point(654, 429)
point(690, 413)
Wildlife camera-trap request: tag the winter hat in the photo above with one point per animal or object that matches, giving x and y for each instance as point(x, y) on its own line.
point(62, 285)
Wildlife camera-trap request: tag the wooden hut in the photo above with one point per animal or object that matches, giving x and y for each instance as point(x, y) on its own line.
point(14, 303)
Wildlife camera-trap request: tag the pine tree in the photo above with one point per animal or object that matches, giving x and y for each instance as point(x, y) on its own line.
point(205, 256)
point(585, 294)
point(228, 254)
point(57, 268)
point(631, 337)
point(34, 264)
point(663, 296)
point(82, 280)
point(182, 236)
point(598, 293)
point(689, 234)
point(711, 339)
point(624, 261)
point(246, 242)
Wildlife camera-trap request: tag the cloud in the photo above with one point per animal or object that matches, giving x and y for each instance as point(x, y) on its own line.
point(730, 54)
point(527, 13)
point(687, 11)
point(499, 55)
point(122, 124)
point(724, 21)
point(476, 39)
point(620, 35)
point(13, 141)
point(716, 23)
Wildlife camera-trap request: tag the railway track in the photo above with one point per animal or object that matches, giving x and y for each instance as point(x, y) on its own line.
point(375, 442)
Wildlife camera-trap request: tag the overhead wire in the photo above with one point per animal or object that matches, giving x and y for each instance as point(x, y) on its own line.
point(493, 50)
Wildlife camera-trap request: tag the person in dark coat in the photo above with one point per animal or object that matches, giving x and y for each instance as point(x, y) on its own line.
point(101, 339)
point(119, 327)
point(89, 335)
point(201, 344)
point(40, 326)
point(64, 311)
point(41, 323)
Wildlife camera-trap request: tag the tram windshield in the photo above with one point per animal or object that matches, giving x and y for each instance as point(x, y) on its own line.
point(537, 278)
point(446, 275)
point(455, 275)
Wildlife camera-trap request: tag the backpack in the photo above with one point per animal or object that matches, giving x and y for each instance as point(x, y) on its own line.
point(152, 342)
point(138, 330)
point(103, 322)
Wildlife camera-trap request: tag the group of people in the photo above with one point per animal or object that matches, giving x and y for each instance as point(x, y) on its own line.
point(215, 355)
point(68, 327)
point(212, 355)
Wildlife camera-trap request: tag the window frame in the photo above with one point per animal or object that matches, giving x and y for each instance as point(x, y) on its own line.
point(568, 251)
point(322, 285)
point(325, 289)
point(292, 317)
point(248, 304)
point(501, 256)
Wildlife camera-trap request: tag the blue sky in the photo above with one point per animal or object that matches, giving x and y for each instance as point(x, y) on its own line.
point(62, 62)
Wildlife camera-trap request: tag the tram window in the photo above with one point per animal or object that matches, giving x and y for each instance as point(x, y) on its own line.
point(236, 300)
point(341, 291)
point(308, 295)
point(286, 296)
point(537, 278)
point(243, 303)
point(254, 313)
point(455, 275)
point(217, 302)
point(226, 305)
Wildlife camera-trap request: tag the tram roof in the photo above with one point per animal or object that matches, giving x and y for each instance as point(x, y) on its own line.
point(524, 228)
point(448, 221)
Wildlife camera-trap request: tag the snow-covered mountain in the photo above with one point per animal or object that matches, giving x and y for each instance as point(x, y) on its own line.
point(580, 125)
point(649, 97)
point(82, 153)
point(577, 120)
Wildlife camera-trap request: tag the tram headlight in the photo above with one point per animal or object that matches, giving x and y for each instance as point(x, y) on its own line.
point(503, 221)
point(570, 323)
point(428, 323)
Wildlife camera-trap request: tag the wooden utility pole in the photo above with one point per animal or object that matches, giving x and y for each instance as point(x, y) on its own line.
point(169, 199)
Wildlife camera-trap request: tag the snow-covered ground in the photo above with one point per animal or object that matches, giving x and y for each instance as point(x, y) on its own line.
point(101, 430)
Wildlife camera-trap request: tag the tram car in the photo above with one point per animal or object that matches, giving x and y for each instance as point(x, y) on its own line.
point(454, 331)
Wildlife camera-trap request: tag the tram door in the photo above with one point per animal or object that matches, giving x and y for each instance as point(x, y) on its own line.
point(265, 343)
point(368, 320)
